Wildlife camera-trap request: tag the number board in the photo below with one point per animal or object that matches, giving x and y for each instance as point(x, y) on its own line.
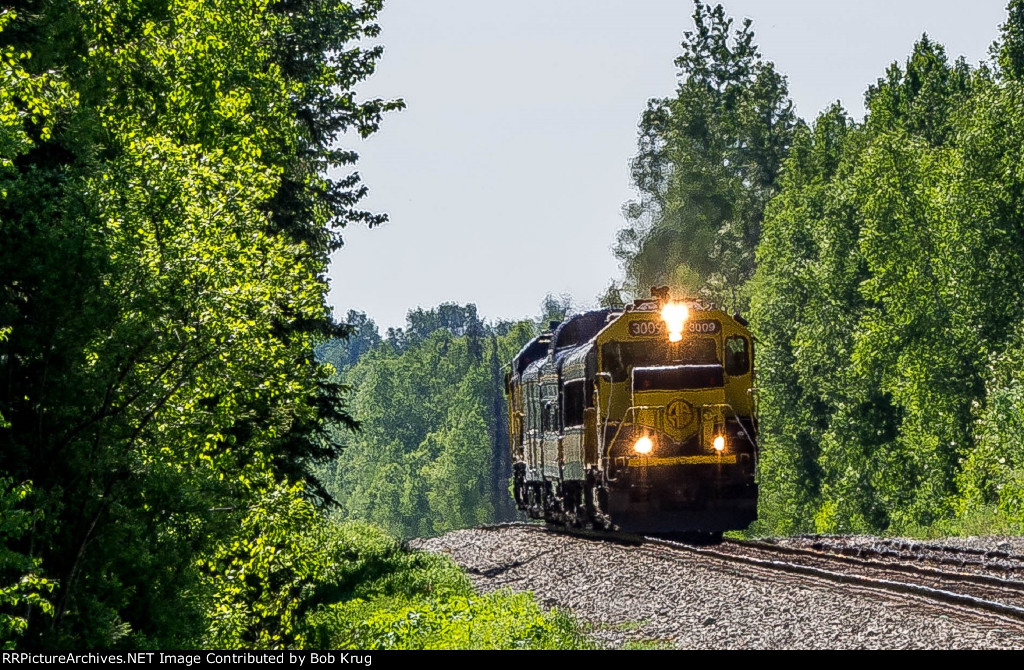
point(645, 328)
point(703, 327)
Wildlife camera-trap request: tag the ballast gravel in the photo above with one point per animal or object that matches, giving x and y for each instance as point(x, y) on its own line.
point(635, 594)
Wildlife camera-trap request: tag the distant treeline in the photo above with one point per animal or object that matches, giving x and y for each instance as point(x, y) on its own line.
point(431, 452)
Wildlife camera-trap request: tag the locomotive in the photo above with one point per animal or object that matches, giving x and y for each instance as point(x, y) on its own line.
point(638, 419)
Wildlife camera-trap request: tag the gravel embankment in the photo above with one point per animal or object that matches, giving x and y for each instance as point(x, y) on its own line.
point(628, 593)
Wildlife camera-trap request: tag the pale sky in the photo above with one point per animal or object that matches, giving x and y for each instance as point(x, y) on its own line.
point(505, 177)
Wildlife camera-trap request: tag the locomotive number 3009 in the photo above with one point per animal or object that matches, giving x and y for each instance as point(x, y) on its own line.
point(641, 328)
point(649, 328)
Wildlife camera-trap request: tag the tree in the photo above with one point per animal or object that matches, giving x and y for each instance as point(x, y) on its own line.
point(553, 309)
point(344, 352)
point(164, 283)
point(887, 302)
point(432, 452)
point(1009, 51)
point(708, 163)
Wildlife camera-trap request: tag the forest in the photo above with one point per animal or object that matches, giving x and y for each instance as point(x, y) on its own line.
point(195, 454)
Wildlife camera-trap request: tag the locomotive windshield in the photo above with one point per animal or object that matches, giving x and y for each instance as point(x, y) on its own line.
point(620, 357)
point(737, 356)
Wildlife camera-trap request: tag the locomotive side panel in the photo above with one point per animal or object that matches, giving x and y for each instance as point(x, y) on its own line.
point(531, 422)
point(550, 410)
point(574, 394)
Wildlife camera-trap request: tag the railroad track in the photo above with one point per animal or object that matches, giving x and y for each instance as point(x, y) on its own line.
point(908, 563)
point(902, 571)
point(970, 593)
point(989, 561)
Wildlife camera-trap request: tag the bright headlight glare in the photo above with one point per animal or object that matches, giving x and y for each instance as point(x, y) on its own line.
point(643, 445)
point(719, 443)
point(675, 315)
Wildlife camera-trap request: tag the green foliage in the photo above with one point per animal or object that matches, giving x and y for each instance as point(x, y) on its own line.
point(362, 336)
point(921, 98)
point(887, 303)
point(260, 581)
point(1010, 52)
point(390, 598)
point(708, 163)
point(497, 621)
point(431, 408)
point(369, 564)
point(993, 474)
point(167, 221)
point(28, 106)
point(22, 589)
point(28, 103)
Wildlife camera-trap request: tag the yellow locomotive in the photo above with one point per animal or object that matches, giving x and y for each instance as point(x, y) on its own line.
point(639, 419)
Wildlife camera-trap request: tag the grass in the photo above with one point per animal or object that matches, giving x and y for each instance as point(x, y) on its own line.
point(384, 596)
point(976, 522)
point(643, 645)
point(979, 521)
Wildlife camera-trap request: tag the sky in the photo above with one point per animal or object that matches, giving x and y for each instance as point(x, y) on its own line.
point(505, 176)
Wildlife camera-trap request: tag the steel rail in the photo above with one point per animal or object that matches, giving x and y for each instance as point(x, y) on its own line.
point(961, 601)
point(977, 579)
point(942, 596)
point(910, 545)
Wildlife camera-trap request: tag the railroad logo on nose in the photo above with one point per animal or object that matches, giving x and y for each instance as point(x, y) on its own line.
point(679, 413)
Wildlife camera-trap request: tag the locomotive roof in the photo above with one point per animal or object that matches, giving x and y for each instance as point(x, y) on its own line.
point(582, 328)
point(534, 350)
point(574, 331)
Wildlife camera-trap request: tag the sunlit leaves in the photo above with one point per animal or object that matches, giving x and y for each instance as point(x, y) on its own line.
point(887, 297)
point(22, 588)
point(163, 268)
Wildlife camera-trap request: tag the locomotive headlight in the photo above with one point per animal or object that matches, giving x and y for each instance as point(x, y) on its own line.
point(643, 445)
point(718, 443)
point(675, 315)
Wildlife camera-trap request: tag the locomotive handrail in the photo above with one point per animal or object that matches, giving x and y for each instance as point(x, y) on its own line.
point(736, 416)
point(517, 414)
point(608, 410)
point(755, 407)
point(660, 411)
